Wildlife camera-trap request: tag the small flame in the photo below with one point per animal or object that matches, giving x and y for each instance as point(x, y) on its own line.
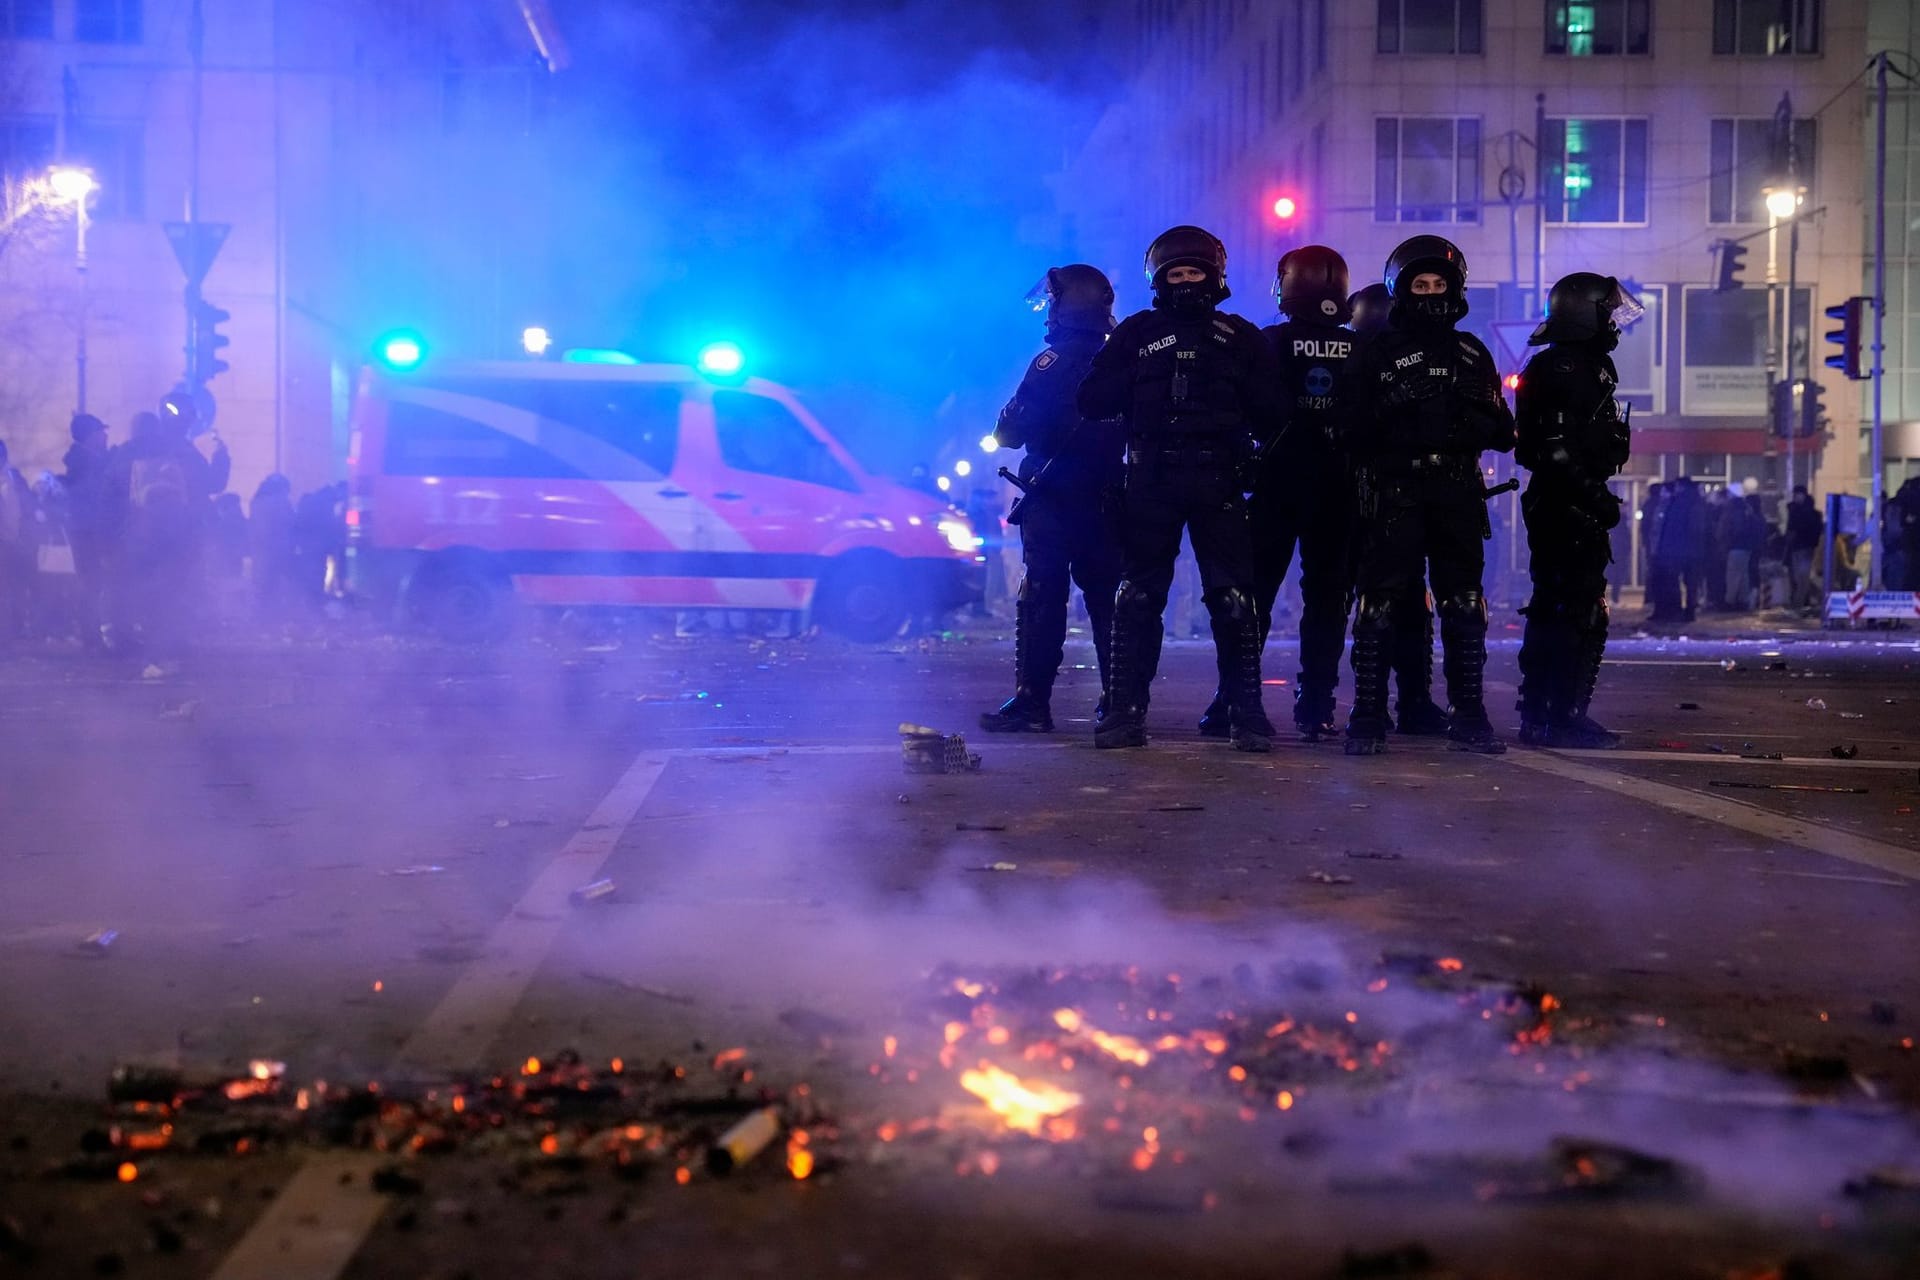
point(683, 1175)
point(726, 1056)
point(1125, 1048)
point(890, 1046)
point(1284, 1100)
point(127, 1171)
point(799, 1163)
point(971, 990)
point(1024, 1105)
point(531, 1067)
point(1448, 964)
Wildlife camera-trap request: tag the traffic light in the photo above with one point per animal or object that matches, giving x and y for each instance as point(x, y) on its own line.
point(1813, 414)
point(1847, 337)
point(1781, 423)
point(205, 362)
point(1732, 262)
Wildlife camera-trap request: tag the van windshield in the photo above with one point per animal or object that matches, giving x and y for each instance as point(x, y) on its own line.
point(760, 435)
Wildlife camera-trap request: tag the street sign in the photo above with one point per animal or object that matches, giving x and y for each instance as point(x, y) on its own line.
point(196, 245)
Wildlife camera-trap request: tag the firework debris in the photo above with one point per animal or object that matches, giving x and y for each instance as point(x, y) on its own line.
point(927, 750)
point(556, 1121)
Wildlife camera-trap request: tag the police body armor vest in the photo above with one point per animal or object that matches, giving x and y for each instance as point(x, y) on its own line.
point(1188, 379)
point(1567, 394)
point(1311, 359)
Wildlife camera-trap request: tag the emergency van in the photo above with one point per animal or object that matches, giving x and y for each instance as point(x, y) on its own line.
point(475, 488)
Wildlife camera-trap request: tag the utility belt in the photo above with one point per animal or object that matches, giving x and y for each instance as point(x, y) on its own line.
point(1436, 466)
point(1205, 452)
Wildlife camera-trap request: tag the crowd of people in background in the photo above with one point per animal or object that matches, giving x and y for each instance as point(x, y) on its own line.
point(133, 543)
point(1716, 549)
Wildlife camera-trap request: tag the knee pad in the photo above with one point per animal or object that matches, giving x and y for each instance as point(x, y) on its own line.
point(1376, 613)
point(1465, 607)
point(1231, 604)
point(1133, 601)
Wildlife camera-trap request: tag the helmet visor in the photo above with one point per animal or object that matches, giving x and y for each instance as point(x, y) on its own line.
point(1623, 307)
point(1040, 296)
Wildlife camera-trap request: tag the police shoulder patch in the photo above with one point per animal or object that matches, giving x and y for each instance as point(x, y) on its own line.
point(1046, 359)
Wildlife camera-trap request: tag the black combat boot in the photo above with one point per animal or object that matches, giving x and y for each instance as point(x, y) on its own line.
point(1577, 730)
point(1367, 724)
point(1463, 637)
point(1028, 710)
point(1323, 631)
point(1547, 648)
point(1216, 720)
point(1415, 713)
point(1134, 654)
point(1250, 729)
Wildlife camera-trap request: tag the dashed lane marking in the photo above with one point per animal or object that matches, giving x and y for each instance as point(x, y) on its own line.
point(319, 1221)
point(1862, 850)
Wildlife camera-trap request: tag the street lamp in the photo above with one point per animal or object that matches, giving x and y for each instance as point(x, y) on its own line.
point(1784, 202)
point(1782, 199)
point(77, 185)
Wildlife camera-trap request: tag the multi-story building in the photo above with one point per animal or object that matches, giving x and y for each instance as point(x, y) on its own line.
point(1894, 25)
point(1630, 137)
point(377, 162)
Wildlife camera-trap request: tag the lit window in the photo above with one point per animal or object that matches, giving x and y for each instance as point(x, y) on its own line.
point(1598, 28)
point(1596, 170)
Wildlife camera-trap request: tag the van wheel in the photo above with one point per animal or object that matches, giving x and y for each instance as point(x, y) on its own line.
point(464, 602)
point(864, 599)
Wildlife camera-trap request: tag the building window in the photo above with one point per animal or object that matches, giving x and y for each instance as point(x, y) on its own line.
point(1724, 342)
point(1426, 169)
point(1596, 170)
point(1598, 28)
point(114, 150)
point(107, 21)
point(1429, 26)
point(1640, 359)
point(26, 146)
point(27, 19)
point(1766, 27)
point(1746, 157)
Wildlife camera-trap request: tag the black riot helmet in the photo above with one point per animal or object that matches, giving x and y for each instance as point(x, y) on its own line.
point(1187, 246)
point(1075, 296)
point(1418, 256)
point(1369, 309)
point(1311, 283)
point(1587, 307)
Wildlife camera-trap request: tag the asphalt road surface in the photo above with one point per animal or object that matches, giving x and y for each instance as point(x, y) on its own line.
point(1176, 1011)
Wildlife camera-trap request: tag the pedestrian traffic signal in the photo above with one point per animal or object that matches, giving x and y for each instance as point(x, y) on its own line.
point(1847, 337)
point(1732, 262)
point(205, 362)
point(1781, 405)
point(1813, 414)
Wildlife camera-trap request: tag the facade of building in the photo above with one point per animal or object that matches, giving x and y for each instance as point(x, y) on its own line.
point(378, 164)
point(1895, 26)
point(1650, 126)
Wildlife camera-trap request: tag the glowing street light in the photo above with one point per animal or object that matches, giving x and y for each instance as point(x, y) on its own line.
point(535, 341)
point(74, 185)
point(944, 483)
point(989, 445)
point(963, 468)
point(69, 183)
point(1783, 202)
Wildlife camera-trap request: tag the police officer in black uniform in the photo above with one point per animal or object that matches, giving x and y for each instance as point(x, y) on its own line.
point(1303, 485)
point(1192, 384)
point(1428, 403)
point(1071, 467)
point(1414, 712)
point(1572, 437)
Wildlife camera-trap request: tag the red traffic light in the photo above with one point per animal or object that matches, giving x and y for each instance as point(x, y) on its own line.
point(1285, 208)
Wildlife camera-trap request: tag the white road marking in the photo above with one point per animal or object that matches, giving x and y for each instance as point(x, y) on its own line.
point(1863, 850)
point(1797, 762)
point(320, 1219)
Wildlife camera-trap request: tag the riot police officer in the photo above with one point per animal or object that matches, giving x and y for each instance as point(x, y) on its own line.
point(1572, 436)
point(1411, 653)
point(1070, 468)
point(1192, 383)
point(1428, 404)
point(1303, 486)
